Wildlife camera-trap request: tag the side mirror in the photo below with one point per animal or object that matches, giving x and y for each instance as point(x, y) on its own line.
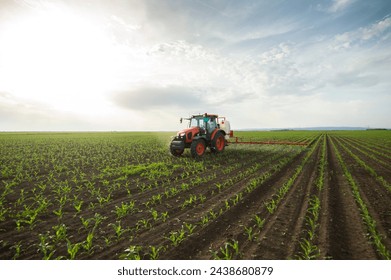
point(180, 120)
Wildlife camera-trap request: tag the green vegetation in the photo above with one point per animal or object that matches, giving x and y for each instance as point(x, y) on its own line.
point(368, 220)
point(229, 251)
point(79, 195)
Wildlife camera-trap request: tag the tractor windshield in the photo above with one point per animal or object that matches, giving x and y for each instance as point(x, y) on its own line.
point(193, 122)
point(197, 122)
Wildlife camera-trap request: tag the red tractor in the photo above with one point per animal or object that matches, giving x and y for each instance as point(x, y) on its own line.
point(204, 131)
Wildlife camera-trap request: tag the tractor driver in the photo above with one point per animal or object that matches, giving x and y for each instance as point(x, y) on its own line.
point(210, 124)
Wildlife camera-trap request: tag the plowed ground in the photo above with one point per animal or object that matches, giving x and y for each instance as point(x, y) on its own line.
point(224, 208)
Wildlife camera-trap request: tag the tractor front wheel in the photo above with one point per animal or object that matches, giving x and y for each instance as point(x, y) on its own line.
point(176, 152)
point(197, 148)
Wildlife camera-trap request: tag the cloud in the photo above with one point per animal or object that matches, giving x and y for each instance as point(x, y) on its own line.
point(183, 50)
point(128, 27)
point(336, 6)
point(152, 97)
point(320, 109)
point(339, 5)
point(276, 54)
point(263, 63)
point(376, 29)
point(379, 30)
point(19, 114)
point(367, 69)
point(30, 3)
point(176, 97)
point(347, 79)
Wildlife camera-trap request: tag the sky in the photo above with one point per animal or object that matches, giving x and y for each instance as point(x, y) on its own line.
point(123, 65)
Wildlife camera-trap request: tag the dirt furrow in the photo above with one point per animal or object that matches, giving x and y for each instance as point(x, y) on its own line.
point(381, 166)
point(280, 237)
point(346, 233)
point(323, 242)
point(231, 223)
point(375, 196)
point(177, 216)
point(380, 150)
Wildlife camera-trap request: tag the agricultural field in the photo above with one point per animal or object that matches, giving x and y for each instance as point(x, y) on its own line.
point(123, 196)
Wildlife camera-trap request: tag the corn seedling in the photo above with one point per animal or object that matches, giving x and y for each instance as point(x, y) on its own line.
point(73, 249)
point(236, 199)
point(190, 228)
point(60, 232)
point(204, 220)
point(190, 201)
point(18, 249)
point(108, 240)
point(3, 211)
point(227, 206)
point(229, 251)
point(219, 186)
point(18, 225)
point(85, 222)
point(164, 216)
point(131, 253)
point(156, 199)
point(45, 247)
point(176, 237)
point(309, 251)
point(202, 198)
point(77, 205)
point(212, 214)
point(271, 206)
point(145, 223)
point(103, 200)
point(119, 230)
point(154, 214)
point(125, 209)
point(87, 245)
point(259, 221)
point(250, 233)
point(185, 186)
point(58, 212)
point(154, 252)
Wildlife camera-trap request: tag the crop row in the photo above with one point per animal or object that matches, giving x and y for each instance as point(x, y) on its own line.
point(367, 167)
point(54, 194)
point(254, 227)
point(121, 195)
point(367, 218)
point(308, 248)
point(177, 236)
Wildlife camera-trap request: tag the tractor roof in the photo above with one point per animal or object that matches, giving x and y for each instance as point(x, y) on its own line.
point(204, 115)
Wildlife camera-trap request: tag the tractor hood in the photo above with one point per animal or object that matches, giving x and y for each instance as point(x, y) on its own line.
point(189, 133)
point(194, 129)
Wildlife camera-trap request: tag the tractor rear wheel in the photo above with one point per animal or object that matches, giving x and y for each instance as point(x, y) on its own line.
point(218, 143)
point(197, 148)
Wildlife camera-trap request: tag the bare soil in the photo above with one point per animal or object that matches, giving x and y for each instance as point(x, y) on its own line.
point(340, 234)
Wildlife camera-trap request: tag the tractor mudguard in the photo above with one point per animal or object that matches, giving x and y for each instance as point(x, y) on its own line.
point(200, 137)
point(213, 134)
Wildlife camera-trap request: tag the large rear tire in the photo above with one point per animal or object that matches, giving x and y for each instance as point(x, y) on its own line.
point(197, 148)
point(218, 143)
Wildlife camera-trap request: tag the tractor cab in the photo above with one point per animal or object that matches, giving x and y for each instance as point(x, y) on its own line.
point(206, 123)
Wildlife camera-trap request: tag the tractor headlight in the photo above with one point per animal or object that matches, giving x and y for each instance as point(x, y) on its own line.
point(182, 135)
